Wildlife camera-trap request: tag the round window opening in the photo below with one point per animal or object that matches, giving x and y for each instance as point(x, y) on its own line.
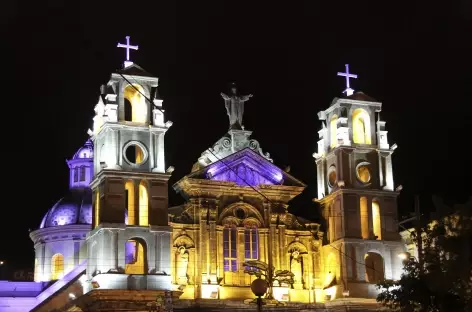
point(332, 177)
point(135, 154)
point(240, 214)
point(363, 172)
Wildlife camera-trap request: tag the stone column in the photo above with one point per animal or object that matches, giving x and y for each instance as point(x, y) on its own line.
point(203, 247)
point(281, 251)
point(160, 153)
point(274, 241)
point(192, 269)
point(388, 173)
point(262, 246)
point(114, 249)
point(360, 252)
point(240, 253)
point(213, 251)
point(173, 264)
point(219, 255)
point(157, 248)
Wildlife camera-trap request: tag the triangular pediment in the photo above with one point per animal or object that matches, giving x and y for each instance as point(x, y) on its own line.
point(136, 70)
point(246, 168)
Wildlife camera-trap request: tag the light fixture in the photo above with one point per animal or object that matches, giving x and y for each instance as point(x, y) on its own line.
point(71, 296)
point(404, 255)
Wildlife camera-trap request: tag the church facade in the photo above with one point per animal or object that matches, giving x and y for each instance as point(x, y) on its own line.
point(133, 248)
point(236, 211)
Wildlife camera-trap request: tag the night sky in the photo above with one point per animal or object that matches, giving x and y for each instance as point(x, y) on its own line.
point(414, 56)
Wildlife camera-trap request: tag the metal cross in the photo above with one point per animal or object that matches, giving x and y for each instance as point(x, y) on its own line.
point(127, 46)
point(348, 90)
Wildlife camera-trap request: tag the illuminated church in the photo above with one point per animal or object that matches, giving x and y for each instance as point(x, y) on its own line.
point(113, 242)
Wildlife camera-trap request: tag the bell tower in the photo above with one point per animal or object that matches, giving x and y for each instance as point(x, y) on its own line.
point(130, 233)
point(357, 196)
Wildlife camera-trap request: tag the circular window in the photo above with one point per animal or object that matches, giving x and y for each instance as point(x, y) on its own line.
point(135, 153)
point(240, 213)
point(332, 176)
point(363, 172)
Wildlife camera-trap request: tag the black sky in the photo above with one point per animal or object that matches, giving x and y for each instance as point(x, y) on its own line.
point(413, 56)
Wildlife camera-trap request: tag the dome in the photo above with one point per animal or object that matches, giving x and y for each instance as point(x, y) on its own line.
point(74, 208)
point(85, 151)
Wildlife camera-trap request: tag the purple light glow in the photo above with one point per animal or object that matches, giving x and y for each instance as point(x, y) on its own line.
point(348, 75)
point(245, 169)
point(74, 208)
point(130, 252)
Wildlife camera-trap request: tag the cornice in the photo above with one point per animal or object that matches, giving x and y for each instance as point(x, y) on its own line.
point(109, 173)
point(195, 187)
point(356, 191)
point(59, 230)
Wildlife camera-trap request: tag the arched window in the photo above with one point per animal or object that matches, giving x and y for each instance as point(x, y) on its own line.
point(143, 204)
point(333, 128)
point(361, 127)
point(251, 243)
point(229, 249)
point(82, 173)
point(135, 257)
point(374, 268)
point(57, 266)
point(376, 219)
point(135, 104)
point(364, 214)
point(76, 174)
point(130, 214)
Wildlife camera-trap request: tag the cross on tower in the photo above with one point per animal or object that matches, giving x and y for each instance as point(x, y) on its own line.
point(127, 46)
point(348, 90)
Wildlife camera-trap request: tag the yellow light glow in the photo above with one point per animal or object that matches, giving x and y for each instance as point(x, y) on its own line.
point(129, 189)
point(333, 128)
point(281, 293)
point(210, 291)
point(377, 224)
point(139, 154)
point(363, 173)
point(97, 208)
point(361, 127)
point(137, 103)
point(331, 292)
point(57, 266)
point(404, 255)
point(374, 267)
point(143, 204)
point(139, 265)
point(364, 214)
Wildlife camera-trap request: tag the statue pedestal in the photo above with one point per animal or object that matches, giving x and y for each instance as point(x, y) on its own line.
point(239, 139)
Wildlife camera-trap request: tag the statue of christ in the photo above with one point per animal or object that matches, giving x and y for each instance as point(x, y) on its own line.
point(235, 107)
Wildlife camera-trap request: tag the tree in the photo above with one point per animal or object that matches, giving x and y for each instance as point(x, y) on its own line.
point(443, 282)
point(261, 270)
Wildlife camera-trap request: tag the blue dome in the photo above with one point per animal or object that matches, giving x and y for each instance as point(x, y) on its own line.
point(74, 208)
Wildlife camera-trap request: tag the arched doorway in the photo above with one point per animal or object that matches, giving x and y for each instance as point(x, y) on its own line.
point(135, 256)
point(374, 268)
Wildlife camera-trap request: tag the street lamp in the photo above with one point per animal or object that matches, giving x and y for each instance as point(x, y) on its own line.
point(259, 288)
point(404, 255)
